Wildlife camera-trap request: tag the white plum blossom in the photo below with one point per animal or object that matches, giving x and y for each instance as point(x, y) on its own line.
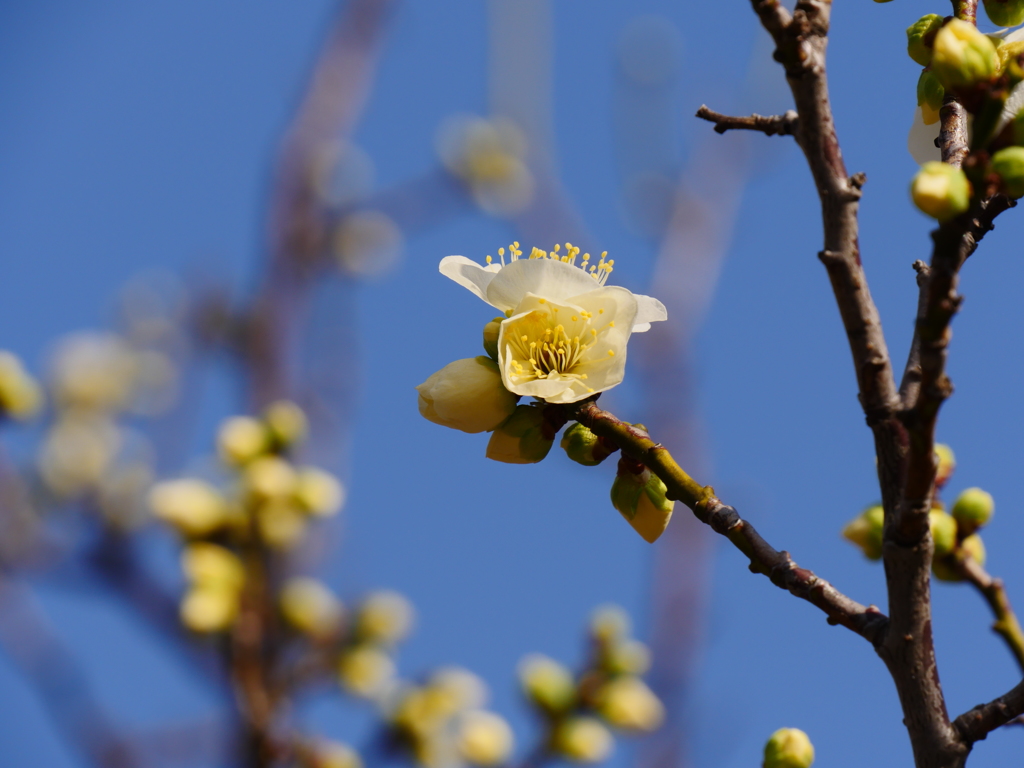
point(565, 333)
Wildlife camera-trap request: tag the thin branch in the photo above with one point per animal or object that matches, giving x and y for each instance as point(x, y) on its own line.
point(979, 722)
point(910, 386)
point(866, 621)
point(992, 589)
point(953, 132)
point(771, 125)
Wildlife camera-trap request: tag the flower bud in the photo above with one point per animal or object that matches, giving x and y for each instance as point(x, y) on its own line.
point(945, 462)
point(195, 508)
point(366, 671)
point(582, 740)
point(384, 617)
point(1005, 13)
point(241, 439)
point(209, 609)
point(319, 493)
point(629, 657)
point(310, 607)
point(866, 531)
point(943, 528)
point(484, 738)
point(547, 684)
point(584, 447)
point(641, 499)
point(941, 191)
point(214, 566)
point(465, 689)
point(973, 509)
point(930, 94)
point(491, 333)
point(972, 546)
point(466, 395)
point(1008, 163)
point(627, 703)
point(523, 438)
point(269, 477)
point(610, 623)
point(21, 397)
point(921, 37)
point(963, 56)
point(788, 748)
point(287, 423)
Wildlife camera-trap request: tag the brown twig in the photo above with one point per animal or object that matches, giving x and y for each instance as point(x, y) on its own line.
point(979, 722)
point(866, 621)
point(772, 125)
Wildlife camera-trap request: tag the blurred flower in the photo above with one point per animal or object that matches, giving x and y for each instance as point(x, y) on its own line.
point(484, 738)
point(194, 507)
point(241, 439)
point(366, 671)
point(206, 609)
point(318, 492)
point(583, 740)
point(488, 156)
point(384, 617)
point(269, 477)
point(626, 702)
point(122, 494)
point(281, 523)
point(310, 607)
point(287, 423)
point(216, 575)
point(341, 173)
point(367, 243)
point(547, 684)
point(93, 371)
point(78, 450)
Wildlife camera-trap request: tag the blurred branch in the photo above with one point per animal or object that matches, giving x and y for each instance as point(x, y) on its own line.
point(992, 589)
point(773, 125)
point(54, 675)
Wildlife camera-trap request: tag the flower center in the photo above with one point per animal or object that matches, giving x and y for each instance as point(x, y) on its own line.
point(599, 271)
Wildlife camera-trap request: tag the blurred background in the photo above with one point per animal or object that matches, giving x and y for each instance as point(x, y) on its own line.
point(248, 201)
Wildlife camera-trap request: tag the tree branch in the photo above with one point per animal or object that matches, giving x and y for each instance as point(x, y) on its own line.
point(866, 621)
point(979, 722)
point(772, 125)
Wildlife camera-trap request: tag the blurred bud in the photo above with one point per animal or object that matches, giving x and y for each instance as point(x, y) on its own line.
point(241, 439)
point(287, 423)
point(366, 671)
point(788, 748)
point(610, 624)
point(627, 657)
point(973, 509)
point(367, 243)
point(122, 494)
point(281, 524)
point(930, 94)
point(583, 446)
point(962, 56)
point(865, 531)
point(626, 702)
point(921, 37)
point(582, 740)
point(491, 332)
point(194, 507)
point(943, 528)
point(972, 546)
point(466, 395)
point(941, 191)
point(310, 607)
point(945, 462)
point(78, 450)
point(523, 438)
point(484, 738)
point(209, 609)
point(319, 492)
point(547, 684)
point(213, 566)
point(269, 477)
point(1008, 164)
point(466, 690)
point(21, 397)
point(641, 499)
point(384, 617)
point(1005, 13)
point(331, 754)
point(93, 371)
point(423, 711)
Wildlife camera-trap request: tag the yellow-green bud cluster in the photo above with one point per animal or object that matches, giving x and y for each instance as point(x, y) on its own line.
point(921, 38)
point(941, 191)
point(525, 437)
point(865, 531)
point(944, 529)
point(1008, 164)
point(1005, 13)
point(945, 464)
point(788, 748)
point(216, 577)
point(309, 607)
point(641, 497)
point(973, 509)
point(963, 57)
point(365, 665)
point(584, 447)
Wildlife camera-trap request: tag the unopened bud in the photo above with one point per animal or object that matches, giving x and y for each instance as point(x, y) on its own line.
point(21, 397)
point(194, 507)
point(241, 439)
point(609, 624)
point(584, 447)
point(547, 684)
point(582, 740)
point(945, 462)
point(943, 528)
point(962, 56)
point(209, 609)
point(310, 607)
point(973, 509)
point(319, 493)
point(865, 531)
point(366, 671)
point(627, 703)
point(1005, 13)
point(641, 499)
point(269, 477)
point(465, 689)
point(941, 191)
point(491, 332)
point(1008, 164)
point(287, 423)
point(281, 523)
point(525, 437)
point(384, 617)
point(484, 738)
point(211, 565)
point(972, 547)
point(788, 748)
point(467, 395)
point(921, 37)
point(627, 657)
point(930, 94)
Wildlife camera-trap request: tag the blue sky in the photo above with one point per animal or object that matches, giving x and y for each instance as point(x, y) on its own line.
point(136, 136)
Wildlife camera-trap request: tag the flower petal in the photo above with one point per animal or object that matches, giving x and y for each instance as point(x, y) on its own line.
point(648, 310)
point(549, 278)
point(921, 141)
point(1014, 104)
point(469, 274)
